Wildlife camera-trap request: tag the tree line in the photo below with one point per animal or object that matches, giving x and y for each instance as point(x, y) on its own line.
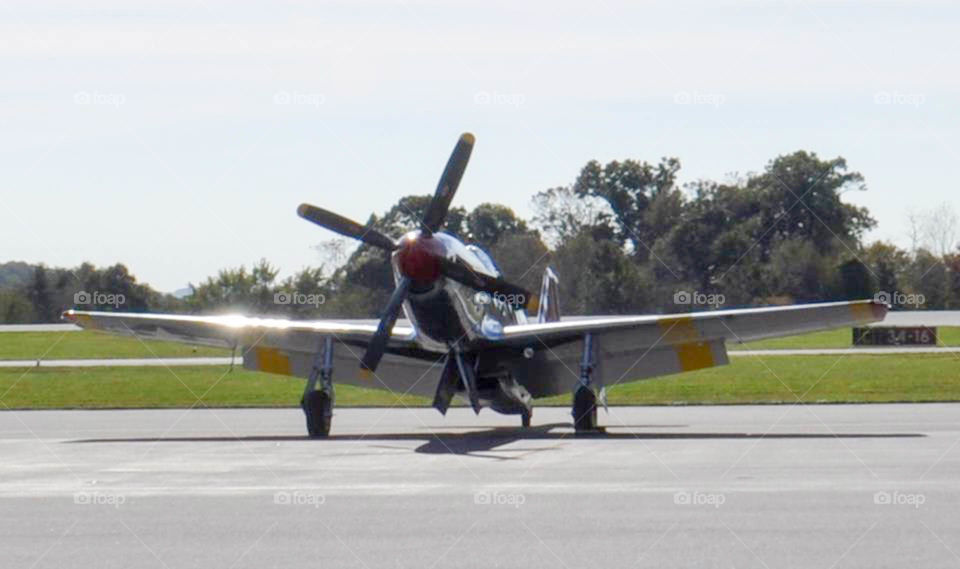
point(624, 237)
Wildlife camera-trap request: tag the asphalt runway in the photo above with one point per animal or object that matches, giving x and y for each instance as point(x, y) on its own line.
point(738, 486)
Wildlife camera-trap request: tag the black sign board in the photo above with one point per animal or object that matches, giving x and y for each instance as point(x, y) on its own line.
point(895, 336)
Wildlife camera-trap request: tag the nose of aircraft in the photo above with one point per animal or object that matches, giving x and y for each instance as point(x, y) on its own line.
point(419, 258)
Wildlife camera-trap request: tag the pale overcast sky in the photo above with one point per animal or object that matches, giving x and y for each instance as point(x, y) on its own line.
point(179, 137)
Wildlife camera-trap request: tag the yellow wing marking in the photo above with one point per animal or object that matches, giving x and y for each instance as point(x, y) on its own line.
point(273, 360)
point(692, 352)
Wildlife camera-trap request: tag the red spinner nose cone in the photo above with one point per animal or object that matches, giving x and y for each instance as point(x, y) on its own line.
point(419, 259)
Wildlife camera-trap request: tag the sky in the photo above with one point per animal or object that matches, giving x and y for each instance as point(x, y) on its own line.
point(178, 137)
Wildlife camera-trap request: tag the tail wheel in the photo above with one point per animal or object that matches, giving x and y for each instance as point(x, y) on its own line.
point(318, 409)
point(584, 410)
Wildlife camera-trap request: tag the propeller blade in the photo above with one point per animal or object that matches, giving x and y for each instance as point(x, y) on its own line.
point(346, 227)
point(448, 184)
point(378, 344)
point(483, 282)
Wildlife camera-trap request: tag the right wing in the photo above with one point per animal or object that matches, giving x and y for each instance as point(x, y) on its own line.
point(286, 347)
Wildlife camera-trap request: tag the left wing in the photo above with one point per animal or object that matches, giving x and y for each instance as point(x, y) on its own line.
point(628, 348)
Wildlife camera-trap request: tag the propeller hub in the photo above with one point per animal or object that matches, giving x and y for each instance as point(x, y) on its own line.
point(419, 258)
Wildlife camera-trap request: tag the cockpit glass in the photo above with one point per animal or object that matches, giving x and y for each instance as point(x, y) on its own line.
point(484, 258)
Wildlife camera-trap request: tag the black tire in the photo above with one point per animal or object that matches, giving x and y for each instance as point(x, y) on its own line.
point(318, 410)
point(584, 410)
point(525, 418)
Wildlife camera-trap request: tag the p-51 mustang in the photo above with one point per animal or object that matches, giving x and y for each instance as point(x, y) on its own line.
point(468, 332)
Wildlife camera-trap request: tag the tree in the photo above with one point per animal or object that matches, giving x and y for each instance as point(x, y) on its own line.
point(304, 294)
point(597, 277)
point(41, 296)
point(237, 290)
point(856, 281)
point(15, 307)
point(488, 223)
point(628, 188)
point(929, 280)
point(561, 214)
point(798, 270)
point(521, 258)
point(15, 274)
point(117, 281)
point(799, 197)
point(888, 264)
point(952, 262)
point(714, 233)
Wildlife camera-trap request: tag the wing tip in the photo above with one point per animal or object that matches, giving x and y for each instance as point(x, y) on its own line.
point(879, 309)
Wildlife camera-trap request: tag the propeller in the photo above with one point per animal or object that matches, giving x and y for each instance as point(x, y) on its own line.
point(448, 184)
point(346, 227)
point(378, 344)
point(420, 258)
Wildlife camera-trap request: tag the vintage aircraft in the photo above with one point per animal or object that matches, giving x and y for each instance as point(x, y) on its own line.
point(468, 333)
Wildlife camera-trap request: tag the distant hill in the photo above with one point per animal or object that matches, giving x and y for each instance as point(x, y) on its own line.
point(15, 274)
point(182, 292)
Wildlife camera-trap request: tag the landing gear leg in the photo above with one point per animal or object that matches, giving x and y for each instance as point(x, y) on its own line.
point(525, 417)
point(584, 398)
point(318, 403)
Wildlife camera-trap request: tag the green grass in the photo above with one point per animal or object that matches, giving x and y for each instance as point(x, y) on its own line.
point(812, 379)
point(214, 386)
point(840, 338)
point(855, 378)
point(87, 344)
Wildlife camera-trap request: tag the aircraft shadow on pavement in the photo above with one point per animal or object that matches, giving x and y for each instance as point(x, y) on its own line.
point(487, 440)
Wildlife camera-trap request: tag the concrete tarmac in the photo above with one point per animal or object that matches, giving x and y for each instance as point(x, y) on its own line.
point(734, 486)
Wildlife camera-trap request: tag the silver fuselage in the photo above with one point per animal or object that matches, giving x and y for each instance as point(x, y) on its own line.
point(450, 313)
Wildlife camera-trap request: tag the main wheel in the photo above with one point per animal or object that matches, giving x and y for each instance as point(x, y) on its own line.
point(584, 410)
point(318, 409)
